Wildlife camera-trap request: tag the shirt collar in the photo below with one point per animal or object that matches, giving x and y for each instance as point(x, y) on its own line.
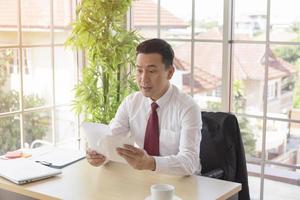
point(163, 99)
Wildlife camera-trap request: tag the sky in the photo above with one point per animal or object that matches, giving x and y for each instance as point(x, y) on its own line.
point(281, 10)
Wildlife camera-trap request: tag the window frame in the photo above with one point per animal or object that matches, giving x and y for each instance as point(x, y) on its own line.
point(23, 69)
point(227, 71)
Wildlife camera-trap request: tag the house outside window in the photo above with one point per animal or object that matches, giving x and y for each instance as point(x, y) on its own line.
point(272, 90)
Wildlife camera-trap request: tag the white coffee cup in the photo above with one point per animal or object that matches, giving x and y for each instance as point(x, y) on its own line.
point(162, 192)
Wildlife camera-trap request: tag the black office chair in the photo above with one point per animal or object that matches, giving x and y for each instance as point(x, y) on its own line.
point(222, 152)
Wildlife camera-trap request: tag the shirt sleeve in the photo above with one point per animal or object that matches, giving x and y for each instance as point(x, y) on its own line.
point(120, 123)
point(187, 161)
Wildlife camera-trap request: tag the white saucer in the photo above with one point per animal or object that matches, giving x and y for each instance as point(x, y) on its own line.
point(174, 198)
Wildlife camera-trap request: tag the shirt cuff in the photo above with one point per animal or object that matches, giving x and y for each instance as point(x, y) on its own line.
point(161, 164)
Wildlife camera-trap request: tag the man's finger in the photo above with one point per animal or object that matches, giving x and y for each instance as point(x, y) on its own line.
point(125, 152)
point(95, 156)
point(129, 159)
point(95, 162)
point(130, 147)
point(134, 149)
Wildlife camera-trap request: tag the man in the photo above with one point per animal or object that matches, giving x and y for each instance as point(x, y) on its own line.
point(165, 123)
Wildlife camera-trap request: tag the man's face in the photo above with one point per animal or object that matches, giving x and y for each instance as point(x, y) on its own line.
point(152, 76)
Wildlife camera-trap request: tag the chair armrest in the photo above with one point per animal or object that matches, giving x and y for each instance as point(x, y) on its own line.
point(40, 142)
point(216, 173)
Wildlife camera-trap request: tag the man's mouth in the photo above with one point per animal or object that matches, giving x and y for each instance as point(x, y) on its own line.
point(146, 88)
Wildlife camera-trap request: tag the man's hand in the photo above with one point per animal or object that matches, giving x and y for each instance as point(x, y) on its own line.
point(137, 158)
point(94, 158)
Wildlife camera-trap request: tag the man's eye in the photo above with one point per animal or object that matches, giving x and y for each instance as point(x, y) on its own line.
point(152, 72)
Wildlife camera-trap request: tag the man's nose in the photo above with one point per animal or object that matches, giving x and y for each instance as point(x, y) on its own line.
point(144, 77)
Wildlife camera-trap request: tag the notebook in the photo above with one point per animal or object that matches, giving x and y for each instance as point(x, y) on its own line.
point(58, 157)
point(22, 170)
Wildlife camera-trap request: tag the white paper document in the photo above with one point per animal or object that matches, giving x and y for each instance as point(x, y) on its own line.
point(100, 139)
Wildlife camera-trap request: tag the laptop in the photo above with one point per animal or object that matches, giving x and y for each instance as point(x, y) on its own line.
point(22, 170)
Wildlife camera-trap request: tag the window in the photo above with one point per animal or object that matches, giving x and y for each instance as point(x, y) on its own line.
point(215, 93)
point(37, 73)
point(196, 39)
point(244, 61)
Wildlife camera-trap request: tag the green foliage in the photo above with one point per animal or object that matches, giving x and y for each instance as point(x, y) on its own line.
point(291, 54)
point(247, 135)
point(239, 103)
point(295, 27)
point(10, 134)
point(100, 31)
point(6, 57)
point(10, 126)
point(213, 106)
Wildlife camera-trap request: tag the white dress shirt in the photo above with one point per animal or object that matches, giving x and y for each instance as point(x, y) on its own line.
point(179, 128)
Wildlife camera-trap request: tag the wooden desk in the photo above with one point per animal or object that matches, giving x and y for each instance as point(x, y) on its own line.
point(81, 181)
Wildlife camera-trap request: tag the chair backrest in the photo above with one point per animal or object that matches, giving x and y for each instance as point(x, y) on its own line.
point(222, 147)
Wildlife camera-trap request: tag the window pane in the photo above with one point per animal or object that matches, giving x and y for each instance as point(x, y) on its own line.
point(65, 75)
point(9, 80)
point(9, 133)
point(254, 181)
point(35, 19)
point(282, 147)
point(65, 125)
point(275, 190)
point(251, 131)
point(37, 77)
point(250, 20)
point(208, 75)
point(182, 63)
point(284, 89)
point(276, 140)
point(208, 19)
point(37, 126)
point(63, 14)
point(284, 23)
point(176, 17)
point(283, 142)
point(248, 78)
point(8, 22)
point(144, 17)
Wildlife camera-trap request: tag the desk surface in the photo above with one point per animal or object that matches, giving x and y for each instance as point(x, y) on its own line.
point(116, 181)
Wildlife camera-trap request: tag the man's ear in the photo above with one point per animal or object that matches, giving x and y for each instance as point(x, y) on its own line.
point(171, 71)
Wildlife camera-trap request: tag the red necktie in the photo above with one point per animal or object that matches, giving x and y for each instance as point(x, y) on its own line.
point(151, 142)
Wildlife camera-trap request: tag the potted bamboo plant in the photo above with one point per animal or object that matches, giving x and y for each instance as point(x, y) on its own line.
point(100, 30)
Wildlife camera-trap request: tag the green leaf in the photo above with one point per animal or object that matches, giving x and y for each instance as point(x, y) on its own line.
point(110, 48)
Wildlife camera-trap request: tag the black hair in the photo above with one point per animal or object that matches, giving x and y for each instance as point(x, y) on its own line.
point(157, 46)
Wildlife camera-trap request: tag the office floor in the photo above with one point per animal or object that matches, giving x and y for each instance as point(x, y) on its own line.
point(273, 190)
